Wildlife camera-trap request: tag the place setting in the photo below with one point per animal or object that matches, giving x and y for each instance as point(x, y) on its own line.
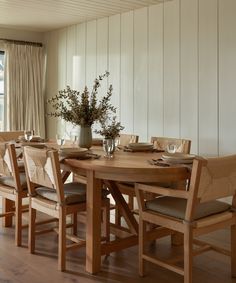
point(141, 147)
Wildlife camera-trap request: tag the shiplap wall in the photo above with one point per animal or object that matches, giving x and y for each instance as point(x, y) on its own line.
point(172, 67)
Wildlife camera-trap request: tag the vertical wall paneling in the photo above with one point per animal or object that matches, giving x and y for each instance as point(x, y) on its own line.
point(208, 101)
point(91, 53)
point(102, 49)
point(71, 50)
point(114, 59)
point(127, 72)
point(140, 72)
point(102, 58)
point(189, 72)
point(171, 69)
point(227, 71)
point(79, 60)
point(155, 71)
point(62, 69)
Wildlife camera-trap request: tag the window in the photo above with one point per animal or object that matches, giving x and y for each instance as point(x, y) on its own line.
point(2, 103)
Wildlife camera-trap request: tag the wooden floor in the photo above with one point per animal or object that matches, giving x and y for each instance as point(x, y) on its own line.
point(18, 265)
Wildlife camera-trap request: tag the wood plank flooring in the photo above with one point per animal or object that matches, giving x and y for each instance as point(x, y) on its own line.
point(18, 265)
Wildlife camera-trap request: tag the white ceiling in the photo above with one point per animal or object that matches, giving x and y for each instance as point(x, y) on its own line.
point(45, 15)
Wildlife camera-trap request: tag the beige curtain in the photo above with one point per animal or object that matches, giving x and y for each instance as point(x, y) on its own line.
point(25, 83)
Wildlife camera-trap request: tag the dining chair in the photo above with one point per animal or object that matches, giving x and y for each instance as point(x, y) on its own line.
point(192, 212)
point(13, 189)
point(10, 135)
point(49, 195)
point(160, 143)
point(123, 141)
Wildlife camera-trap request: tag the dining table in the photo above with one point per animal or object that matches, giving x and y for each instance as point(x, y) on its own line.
point(123, 167)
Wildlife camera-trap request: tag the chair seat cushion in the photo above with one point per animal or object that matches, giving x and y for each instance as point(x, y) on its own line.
point(73, 192)
point(9, 181)
point(176, 207)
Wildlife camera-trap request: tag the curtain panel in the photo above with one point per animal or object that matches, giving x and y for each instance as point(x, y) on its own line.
point(25, 87)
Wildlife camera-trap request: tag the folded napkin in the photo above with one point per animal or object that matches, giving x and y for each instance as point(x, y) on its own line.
point(158, 162)
point(88, 155)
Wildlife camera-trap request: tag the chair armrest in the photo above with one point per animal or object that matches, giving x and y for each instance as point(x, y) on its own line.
point(162, 191)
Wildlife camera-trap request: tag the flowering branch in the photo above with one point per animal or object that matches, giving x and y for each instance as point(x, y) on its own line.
point(110, 130)
point(82, 108)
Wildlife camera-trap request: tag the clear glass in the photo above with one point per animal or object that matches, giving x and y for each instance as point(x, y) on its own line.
point(109, 146)
point(28, 134)
point(171, 148)
point(60, 139)
point(74, 137)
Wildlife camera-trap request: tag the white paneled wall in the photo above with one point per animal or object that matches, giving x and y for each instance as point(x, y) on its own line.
point(172, 67)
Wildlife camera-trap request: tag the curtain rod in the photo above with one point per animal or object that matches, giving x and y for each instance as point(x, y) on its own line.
point(22, 42)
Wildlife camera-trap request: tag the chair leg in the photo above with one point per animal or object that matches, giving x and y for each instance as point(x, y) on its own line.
point(233, 250)
point(7, 205)
point(75, 224)
point(62, 240)
point(142, 232)
point(31, 239)
point(18, 219)
point(188, 254)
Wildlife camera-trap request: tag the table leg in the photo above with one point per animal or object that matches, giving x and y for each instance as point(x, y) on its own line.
point(93, 225)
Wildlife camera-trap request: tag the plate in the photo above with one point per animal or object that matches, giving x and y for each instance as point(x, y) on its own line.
point(178, 155)
point(178, 158)
point(73, 152)
point(140, 146)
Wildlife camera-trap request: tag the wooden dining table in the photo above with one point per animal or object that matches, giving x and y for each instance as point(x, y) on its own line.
point(123, 167)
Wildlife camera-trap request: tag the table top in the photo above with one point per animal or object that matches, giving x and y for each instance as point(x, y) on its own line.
point(128, 166)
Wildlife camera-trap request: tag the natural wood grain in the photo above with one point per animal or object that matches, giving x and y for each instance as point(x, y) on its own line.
point(189, 225)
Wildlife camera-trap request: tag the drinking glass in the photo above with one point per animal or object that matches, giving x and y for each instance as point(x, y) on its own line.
point(171, 148)
point(74, 137)
point(28, 134)
point(109, 147)
point(60, 139)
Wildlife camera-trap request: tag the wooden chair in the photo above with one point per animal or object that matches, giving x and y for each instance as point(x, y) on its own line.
point(125, 139)
point(160, 143)
point(13, 188)
point(192, 212)
point(10, 135)
point(49, 195)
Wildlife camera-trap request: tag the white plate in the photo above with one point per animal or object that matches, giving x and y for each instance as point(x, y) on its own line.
point(140, 146)
point(71, 151)
point(178, 156)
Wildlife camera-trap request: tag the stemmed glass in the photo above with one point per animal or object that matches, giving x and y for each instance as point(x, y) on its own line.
point(74, 137)
point(60, 140)
point(28, 134)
